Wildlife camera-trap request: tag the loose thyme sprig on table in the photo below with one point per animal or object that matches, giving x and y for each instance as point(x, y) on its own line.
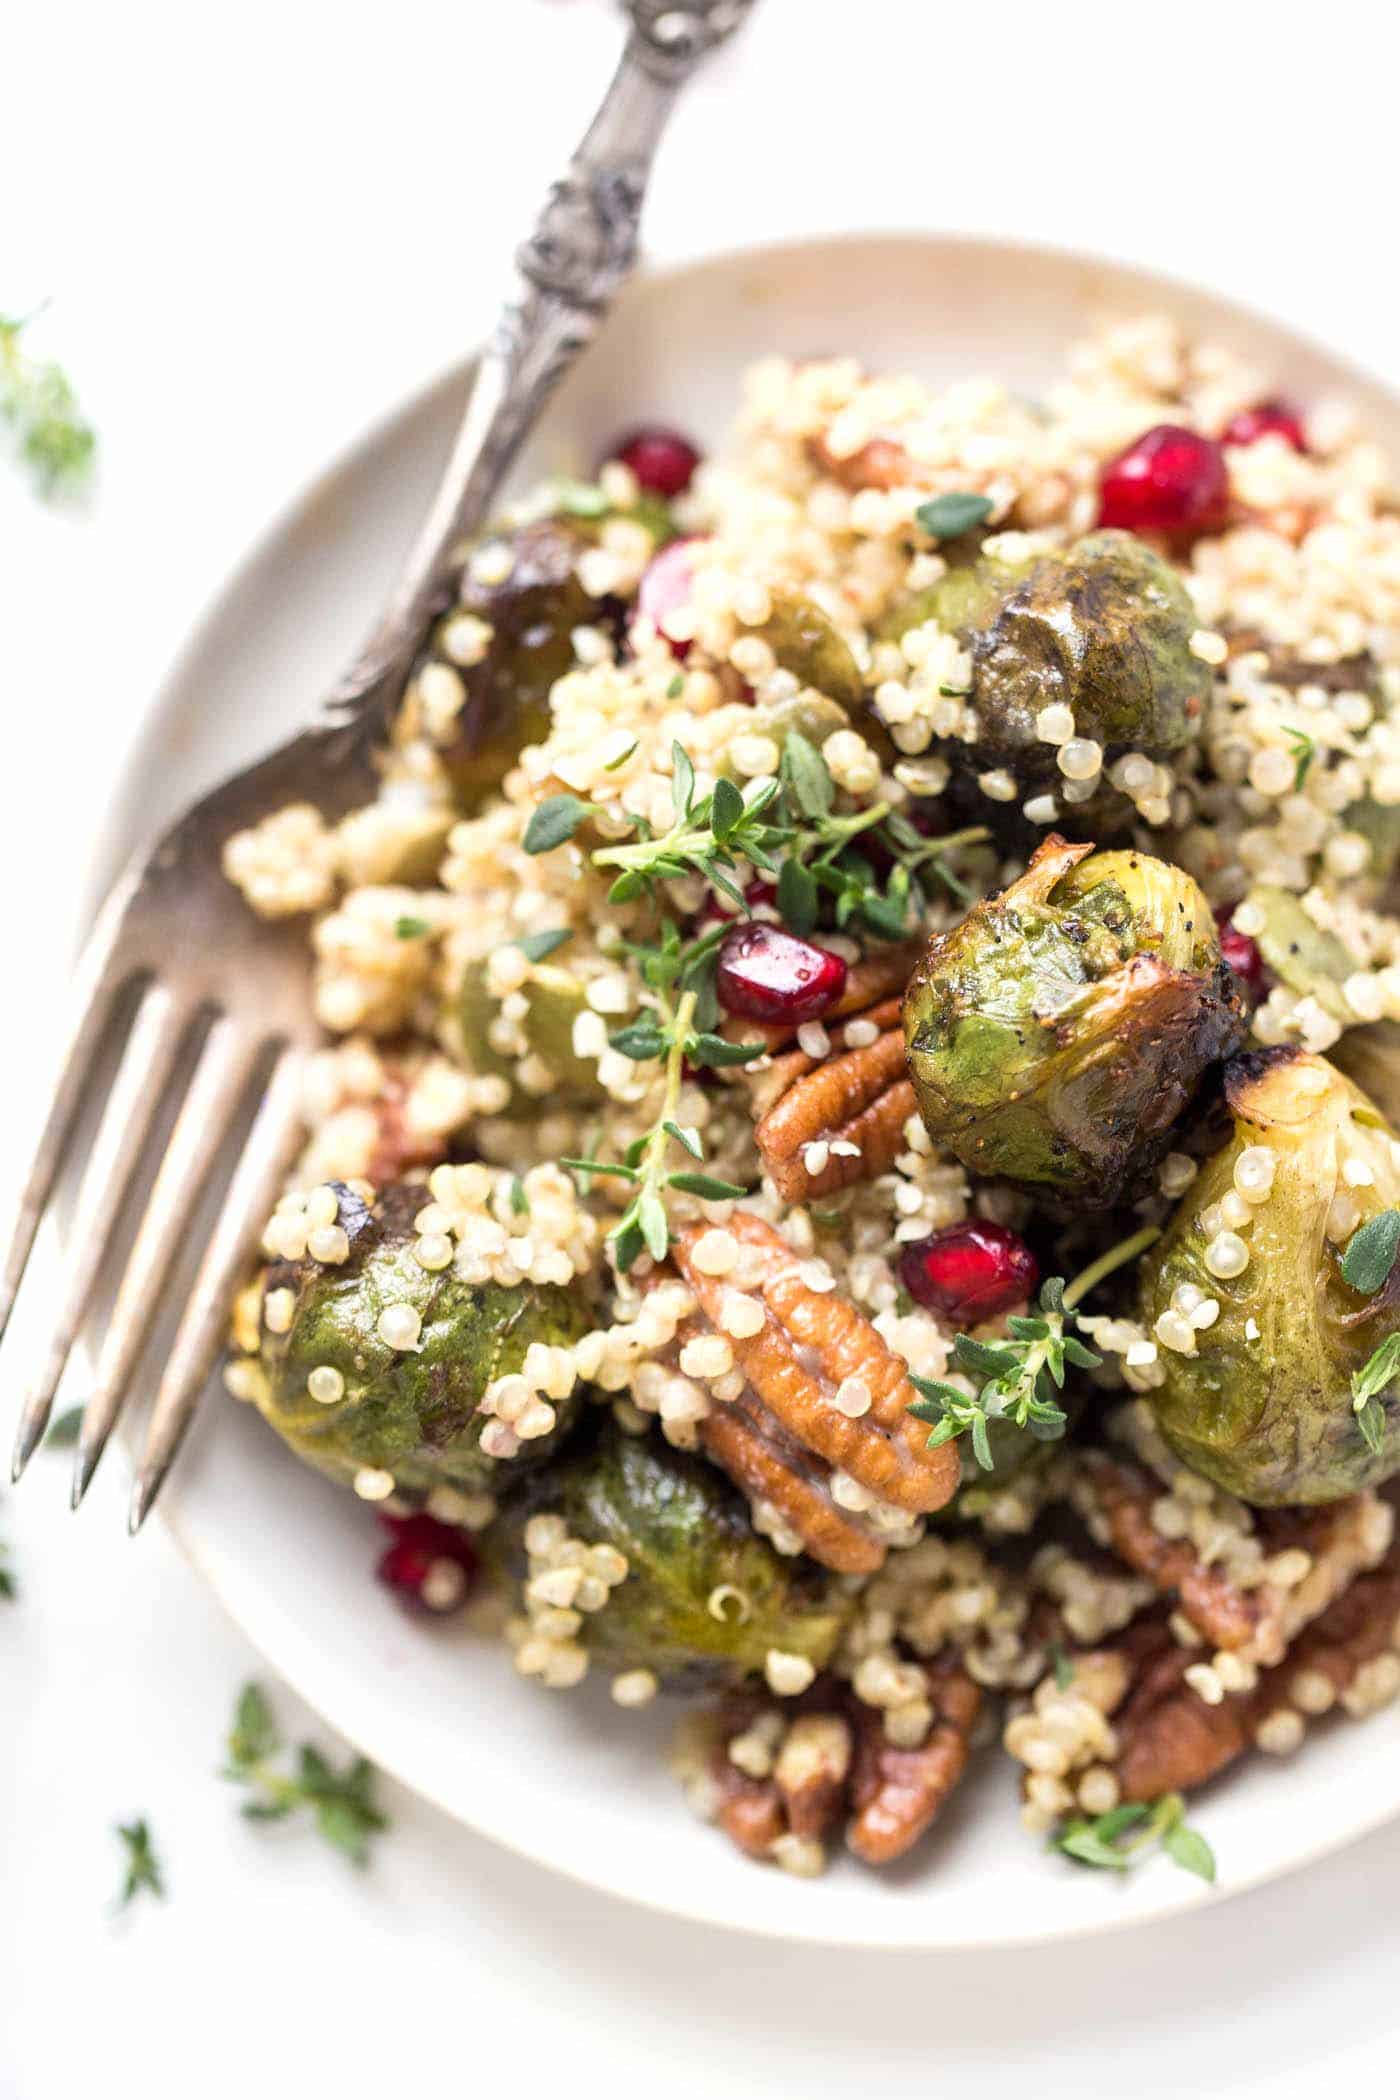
point(342, 1802)
point(1118, 1838)
point(793, 816)
point(143, 1870)
point(1022, 1377)
point(39, 406)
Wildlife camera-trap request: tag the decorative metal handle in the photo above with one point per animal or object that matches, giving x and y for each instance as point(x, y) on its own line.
point(569, 269)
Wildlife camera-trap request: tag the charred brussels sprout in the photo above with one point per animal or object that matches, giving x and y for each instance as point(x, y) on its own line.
point(1103, 628)
point(554, 999)
point(1263, 1403)
point(705, 1598)
point(408, 1411)
point(804, 642)
point(831, 692)
point(532, 611)
point(1309, 960)
point(1056, 1034)
point(1370, 1056)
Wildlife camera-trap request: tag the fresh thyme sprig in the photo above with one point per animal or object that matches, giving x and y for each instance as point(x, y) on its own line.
point(1119, 1838)
point(143, 1869)
point(1023, 1376)
point(1380, 1370)
point(342, 1802)
point(39, 406)
point(793, 816)
point(669, 1032)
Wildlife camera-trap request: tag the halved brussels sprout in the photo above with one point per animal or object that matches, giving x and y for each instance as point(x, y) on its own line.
point(1056, 1034)
point(705, 1598)
point(532, 612)
point(1263, 1405)
point(410, 1411)
point(1103, 628)
point(1370, 1057)
point(554, 999)
point(1307, 959)
point(806, 643)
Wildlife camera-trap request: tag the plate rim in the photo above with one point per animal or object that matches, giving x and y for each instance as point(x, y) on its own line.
point(103, 861)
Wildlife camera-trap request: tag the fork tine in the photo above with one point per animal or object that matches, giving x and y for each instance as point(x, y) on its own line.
point(257, 1180)
point(141, 1078)
point(93, 999)
point(220, 1080)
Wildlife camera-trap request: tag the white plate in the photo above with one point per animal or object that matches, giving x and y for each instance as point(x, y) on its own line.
point(566, 1779)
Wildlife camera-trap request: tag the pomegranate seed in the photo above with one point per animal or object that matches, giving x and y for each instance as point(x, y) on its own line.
point(1273, 418)
point(969, 1272)
point(665, 587)
point(1170, 480)
point(1243, 956)
point(430, 1566)
point(767, 974)
point(662, 460)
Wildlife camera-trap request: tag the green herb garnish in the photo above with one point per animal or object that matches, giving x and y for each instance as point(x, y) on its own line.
point(142, 1868)
point(342, 1802)
point(411, 929)
point(668, 1033)
point(1380, 1370)
point(1304, 752)
point(536, 946)
point(1371, 1253)
point(795, 816)
point(957, 512)
point(40, 409)
point(1119, 1838)
point(555, 820)
point(1023, 1376)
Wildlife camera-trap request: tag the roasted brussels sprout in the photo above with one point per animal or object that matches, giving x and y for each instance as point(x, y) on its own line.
point(1103, 628)
point(533, 611)
point(805, 642)
point(1309, 960)
point(410, 1411)
point(833, 696)
point(705, 1597)
point(554, 998)
point(1055, 1035)
point(1262, 1401)
point(1370, 1057)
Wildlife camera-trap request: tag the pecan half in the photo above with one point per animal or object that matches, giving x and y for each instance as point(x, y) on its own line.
point(771, 1467)
point(811, 1770)
point(832, 1757)
point(812, 1344)
point(881, 463)
point(897, 1793)
point(1215, 1605)
point(1168, 1739)
point(1259, 1620)
point(857, 1099)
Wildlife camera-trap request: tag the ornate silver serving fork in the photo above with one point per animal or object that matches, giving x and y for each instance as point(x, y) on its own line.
point(175, 937)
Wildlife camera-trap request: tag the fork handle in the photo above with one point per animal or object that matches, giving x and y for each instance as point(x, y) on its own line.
point(568, 271)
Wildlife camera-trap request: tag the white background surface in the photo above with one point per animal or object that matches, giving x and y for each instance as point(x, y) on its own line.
point(259, 225)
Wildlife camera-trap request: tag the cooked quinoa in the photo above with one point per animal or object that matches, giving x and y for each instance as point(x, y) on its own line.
point(766, 861)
